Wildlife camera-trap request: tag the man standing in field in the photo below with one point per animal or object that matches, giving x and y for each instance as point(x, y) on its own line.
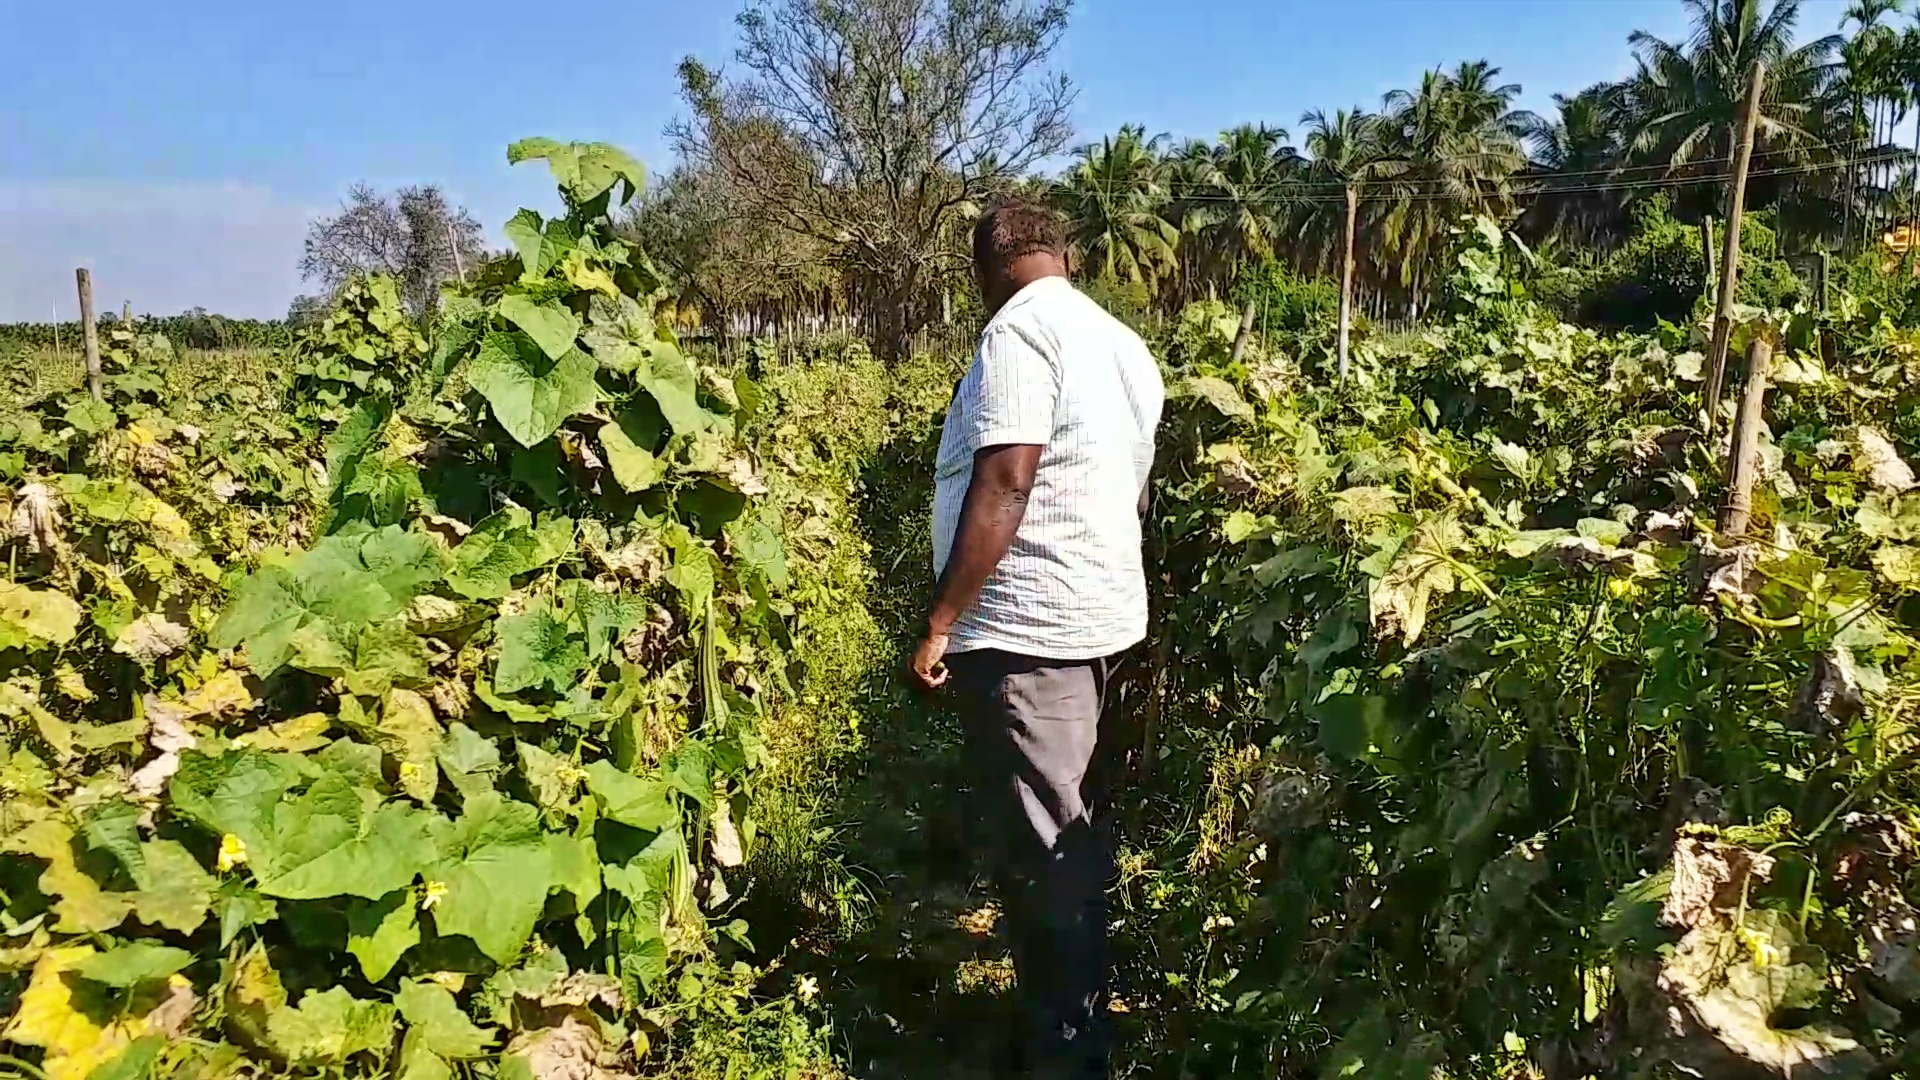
point(1040, 488)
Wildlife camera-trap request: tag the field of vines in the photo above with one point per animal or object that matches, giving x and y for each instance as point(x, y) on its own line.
point(515, 697)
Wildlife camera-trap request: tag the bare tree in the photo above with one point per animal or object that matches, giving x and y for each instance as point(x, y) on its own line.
point(870, 125)
point(414, 234)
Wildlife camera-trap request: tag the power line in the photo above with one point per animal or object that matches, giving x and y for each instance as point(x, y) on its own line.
point(1331, 193)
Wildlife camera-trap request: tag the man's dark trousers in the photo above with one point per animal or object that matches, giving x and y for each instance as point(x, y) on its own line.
point(1040, 772)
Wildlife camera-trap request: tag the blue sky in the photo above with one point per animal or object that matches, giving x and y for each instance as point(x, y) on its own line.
point(180, 149)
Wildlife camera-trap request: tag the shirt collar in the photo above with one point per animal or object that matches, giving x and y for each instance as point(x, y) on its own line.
point(1030, 291)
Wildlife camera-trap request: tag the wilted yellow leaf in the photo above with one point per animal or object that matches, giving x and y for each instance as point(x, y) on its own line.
point(74, 1042)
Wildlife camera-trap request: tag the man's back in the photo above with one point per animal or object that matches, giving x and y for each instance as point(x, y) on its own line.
point(1055, 369)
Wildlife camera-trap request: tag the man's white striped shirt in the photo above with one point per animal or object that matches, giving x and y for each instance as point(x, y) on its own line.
point(1054, 369)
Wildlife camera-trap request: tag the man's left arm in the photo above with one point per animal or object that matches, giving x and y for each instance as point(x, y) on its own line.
point(1005, 417)
point(990, 516)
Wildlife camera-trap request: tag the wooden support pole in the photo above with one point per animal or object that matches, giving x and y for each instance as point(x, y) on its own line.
point(1744, 464)
point(1707, 257)
point(1730, 249)
point(90, 333)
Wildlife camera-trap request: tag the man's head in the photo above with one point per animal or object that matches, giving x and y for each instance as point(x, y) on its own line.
point(1014, 245)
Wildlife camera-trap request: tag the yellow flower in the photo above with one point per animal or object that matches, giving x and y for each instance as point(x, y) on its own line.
point(408, 771)
point(1760, 947)
point(434, 891)
point(809, 986)
point(233, 852)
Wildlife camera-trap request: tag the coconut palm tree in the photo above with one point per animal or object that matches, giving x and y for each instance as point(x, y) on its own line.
point(1237, 205)
point(1576, 151)
point(1114, 198)
point(1343, 150)
point(1452, 147)
point(1684, 101)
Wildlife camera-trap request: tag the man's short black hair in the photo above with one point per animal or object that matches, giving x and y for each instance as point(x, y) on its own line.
point(1010, 229)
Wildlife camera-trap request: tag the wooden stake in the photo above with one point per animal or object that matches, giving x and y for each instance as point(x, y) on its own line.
point(459, 264)
point(90, 333)
point(1745, 462)
point(1730, 250)
point(1706, 257)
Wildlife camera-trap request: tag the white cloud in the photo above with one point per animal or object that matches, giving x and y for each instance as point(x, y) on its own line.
point(229, 247)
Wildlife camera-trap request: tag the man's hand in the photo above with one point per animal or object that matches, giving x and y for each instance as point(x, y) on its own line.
point(928, 672)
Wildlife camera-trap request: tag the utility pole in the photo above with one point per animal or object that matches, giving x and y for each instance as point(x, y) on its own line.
point(1730, 251)
point(90, 333)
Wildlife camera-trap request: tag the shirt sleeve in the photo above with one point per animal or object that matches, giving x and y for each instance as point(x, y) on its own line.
point(1009, 396)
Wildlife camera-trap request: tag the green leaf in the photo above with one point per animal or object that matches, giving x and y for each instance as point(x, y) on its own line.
point(356, 577)
point(411, 733)
point(550, 777)
point(537, 649)
point(90, 417)
point(605, 617)
point(175, 891)
point(1221, 395)
point(419, 1063)
point(330, 1026)
point(349, 442)
point(436, 1020)
point(757, 543)
point(239, 906)
point(576, 866)
point(531, 395)
point(497, 871)
point(670, 381)
point(131, 965)
point(525, 233)
point(630, 800)
point(380, 931)
point(36, 618)
point(692, 571)
point(233, 792)
point(135, 1062)
point(327, 843)
point(1899, 564)
point(550, 325)
point(502, 547)
point(633, 468)
point(467, 751)
point(584, 170)
point(1242, 526)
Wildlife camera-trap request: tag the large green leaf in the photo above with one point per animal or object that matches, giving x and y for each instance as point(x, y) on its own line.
point(504, 546)
point(670, 380)
point(551, 326)
point(631, 800)
point(435, 1019)
point(336, 840)
point(531, 395)
point(175, 891)
point(36, 618)
point(353, 578)
point(232, 793)
point(380, 931)
point(585, 170)
point(537, 649)
point(634, 468)
point(496, 870)
point(131, 965)
point(330, 1026)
